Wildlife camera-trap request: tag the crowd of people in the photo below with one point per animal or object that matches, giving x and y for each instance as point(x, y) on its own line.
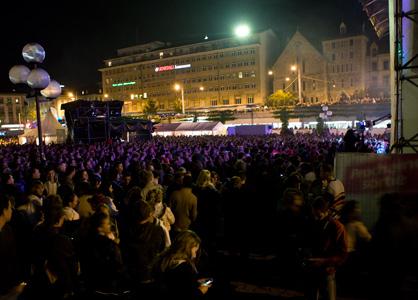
point(146, 218)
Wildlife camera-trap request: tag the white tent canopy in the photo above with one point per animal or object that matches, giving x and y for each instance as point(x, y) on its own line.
point(186, 128)
point(52, 131)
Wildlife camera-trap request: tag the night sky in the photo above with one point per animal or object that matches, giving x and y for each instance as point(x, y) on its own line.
point(79, 35)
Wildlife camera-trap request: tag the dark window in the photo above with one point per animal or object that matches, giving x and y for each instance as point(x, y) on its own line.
point(351, 42)
point(225, 102)
point(374, 66)
point(386, 65)
point(237, 100)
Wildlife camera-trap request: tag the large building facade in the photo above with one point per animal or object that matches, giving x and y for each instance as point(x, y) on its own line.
point(228, 73)
point(12, 108)
point(348, 67)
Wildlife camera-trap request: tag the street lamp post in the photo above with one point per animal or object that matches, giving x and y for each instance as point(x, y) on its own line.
point(180, 87)
point(37, 79)
point(297, 68)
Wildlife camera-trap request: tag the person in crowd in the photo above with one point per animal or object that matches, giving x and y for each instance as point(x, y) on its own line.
point(84, 194)
point(51, 183)
point(144, 242)
point(101, 258)
point(292, 227)
point(163, 216)
point(208, 201)
point(177, 271)
point(334, 187)
point(55, 263)
point(68, 178)
point(184, 205)
point(325, 251)
point(11, 282)
point(355, 228)
point(70, 202)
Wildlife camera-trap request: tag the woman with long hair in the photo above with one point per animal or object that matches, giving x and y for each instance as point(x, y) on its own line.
point(177, 269)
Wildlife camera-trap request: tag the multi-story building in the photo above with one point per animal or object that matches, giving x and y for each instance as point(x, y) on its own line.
point(214, 74)
point(12, 108)
point(348, 67)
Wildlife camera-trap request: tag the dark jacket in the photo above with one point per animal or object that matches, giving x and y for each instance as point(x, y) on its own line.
point(144, 243)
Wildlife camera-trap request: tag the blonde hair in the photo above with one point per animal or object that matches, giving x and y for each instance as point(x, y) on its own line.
point(203, 179)
point(180, 250)
point(154, 196)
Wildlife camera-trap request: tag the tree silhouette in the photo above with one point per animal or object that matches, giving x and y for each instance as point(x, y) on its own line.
point(280, 98)
point(284, 117)
point(150, 108)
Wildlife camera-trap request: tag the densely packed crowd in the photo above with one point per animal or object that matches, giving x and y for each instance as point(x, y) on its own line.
point(129, 219)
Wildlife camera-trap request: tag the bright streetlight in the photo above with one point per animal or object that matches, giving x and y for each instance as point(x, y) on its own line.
point(201, 88)
point(294, 68)
point(270, 72)
point(242, 31)
point(106, 95)
point(178, 87)
point(287, 79)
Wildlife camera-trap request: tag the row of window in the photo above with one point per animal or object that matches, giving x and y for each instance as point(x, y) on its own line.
point(341, 68)
point(237, 100)
point(177, 61)
point(385, 65)
point(9, 100)
point(210, 89)
point(221, 77)
point(342, 55)
point(144, 77)
point(344, 43)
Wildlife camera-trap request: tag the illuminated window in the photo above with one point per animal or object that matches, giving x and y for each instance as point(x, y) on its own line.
point(250, 99)
point(240, 75)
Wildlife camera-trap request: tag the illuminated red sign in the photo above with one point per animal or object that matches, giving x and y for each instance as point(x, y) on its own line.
point(165, 68)
point(171, 67)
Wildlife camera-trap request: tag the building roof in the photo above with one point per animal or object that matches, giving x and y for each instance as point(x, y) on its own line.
point(187, 126)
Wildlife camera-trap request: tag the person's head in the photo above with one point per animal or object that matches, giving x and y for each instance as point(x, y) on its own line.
point(119, 167)
point(6, 207)
point(100, 223)
point(155, 196)
point(325, 171)
point(204, 178)
point(293, 200)
point(188, 243)
point(187, 181)
point(62, 167)
point(236, 182)
point(320, 207)
point(53, 211)
point(35, 173)
point(181, 171)
point(350, 212)
point(8, 179)
point(70, 172)
point(84, 176)
point(37, 188)
point(184, 247)
point(142, 212)
point(70, 200)
point(214, 177)
point(50, 176)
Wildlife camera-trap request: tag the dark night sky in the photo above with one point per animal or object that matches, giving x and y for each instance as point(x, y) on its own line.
point(79, 35)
